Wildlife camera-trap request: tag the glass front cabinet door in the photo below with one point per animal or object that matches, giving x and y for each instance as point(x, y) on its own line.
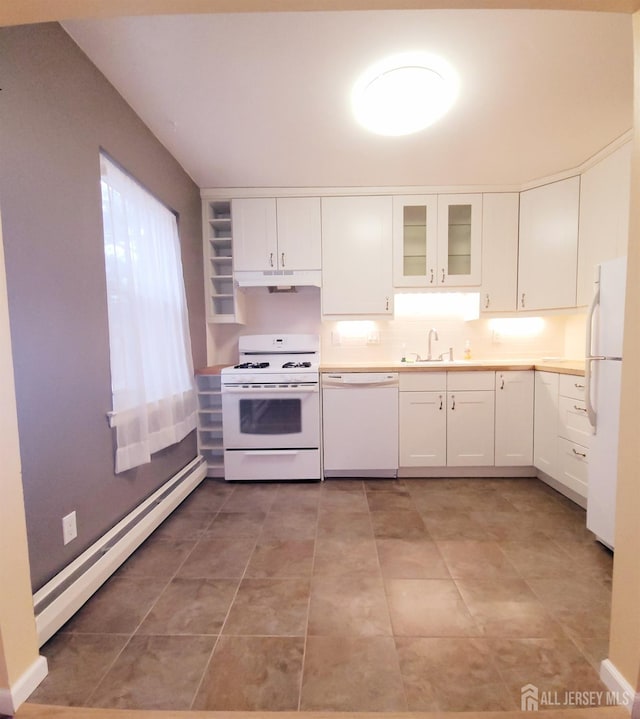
point(437, 240)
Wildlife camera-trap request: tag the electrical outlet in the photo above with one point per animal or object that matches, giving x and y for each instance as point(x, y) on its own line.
point(69, 528)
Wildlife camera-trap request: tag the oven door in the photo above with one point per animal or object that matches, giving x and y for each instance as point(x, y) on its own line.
point(271, 417)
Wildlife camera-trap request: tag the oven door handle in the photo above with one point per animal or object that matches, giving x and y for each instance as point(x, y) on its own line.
point(269, 452)
point(271, 390)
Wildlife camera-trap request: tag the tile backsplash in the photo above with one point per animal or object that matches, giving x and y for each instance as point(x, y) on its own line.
point(387, 340)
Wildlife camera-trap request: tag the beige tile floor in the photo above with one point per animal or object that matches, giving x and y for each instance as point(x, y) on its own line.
point(349, 595)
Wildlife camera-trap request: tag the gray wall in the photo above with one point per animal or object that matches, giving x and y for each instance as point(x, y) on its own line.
point(56, 112)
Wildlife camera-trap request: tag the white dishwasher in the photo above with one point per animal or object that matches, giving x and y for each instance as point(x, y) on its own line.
point(360, 424)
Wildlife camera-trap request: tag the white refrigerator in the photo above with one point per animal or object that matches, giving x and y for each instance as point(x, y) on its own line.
point(603, 369)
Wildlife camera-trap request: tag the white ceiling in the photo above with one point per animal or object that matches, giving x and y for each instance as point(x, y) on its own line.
point(262, 100)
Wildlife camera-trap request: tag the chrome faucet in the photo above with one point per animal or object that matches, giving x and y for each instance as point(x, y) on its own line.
point(433, 335)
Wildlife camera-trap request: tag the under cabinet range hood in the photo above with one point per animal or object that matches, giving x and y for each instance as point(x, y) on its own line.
point(278, 278)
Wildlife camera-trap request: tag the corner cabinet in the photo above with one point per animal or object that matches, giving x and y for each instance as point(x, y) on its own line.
point(437, 240)
point(357, 257)
point(224, 302)
point(548, 251)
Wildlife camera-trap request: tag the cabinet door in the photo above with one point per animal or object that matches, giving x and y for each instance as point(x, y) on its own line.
point(470, 429)
point(500, 212)
point(415, 226)
point(459, 240)
point(356, 256)
point(423, 429)
point(514, 418)
point(604, 217)
point(548, 246)
point(298, 223)
point(254, 234)
point(545, 423)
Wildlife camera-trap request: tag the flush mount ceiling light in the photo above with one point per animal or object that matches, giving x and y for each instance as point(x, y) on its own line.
point(404, 93)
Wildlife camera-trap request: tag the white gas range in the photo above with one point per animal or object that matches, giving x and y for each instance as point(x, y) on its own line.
point(271, 409)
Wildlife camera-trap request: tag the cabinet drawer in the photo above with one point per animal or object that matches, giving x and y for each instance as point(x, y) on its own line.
point(423, 381)
point(573, 423)
point(571, 386)
point(461, 381)
point(573, 463)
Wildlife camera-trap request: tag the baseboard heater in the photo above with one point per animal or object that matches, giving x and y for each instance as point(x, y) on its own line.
point(61, 597)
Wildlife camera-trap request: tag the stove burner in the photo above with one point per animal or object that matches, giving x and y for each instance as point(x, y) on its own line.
point(251, 365)
point(291, 365)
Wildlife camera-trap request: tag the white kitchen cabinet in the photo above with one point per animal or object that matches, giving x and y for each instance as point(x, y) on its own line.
point(254, 234)
point(423, 419)
point(573, 462)
point(437, 240)
point(446, 419)
point(299, 235)
point(459, 240)
point(514, 418)
point(604, 217)
point(500, 216)
point(415, 240)
point(276, 234)
point(548, 247)
point(470, 419)
point(357, 278)
point(545, 425)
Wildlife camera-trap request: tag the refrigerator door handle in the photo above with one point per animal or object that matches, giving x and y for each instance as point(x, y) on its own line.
point(589, 358)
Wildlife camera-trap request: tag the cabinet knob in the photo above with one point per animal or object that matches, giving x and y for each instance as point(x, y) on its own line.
point(522, 300)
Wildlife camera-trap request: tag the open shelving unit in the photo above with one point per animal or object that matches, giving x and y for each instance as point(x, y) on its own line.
point(210, 419)
point(223, 299)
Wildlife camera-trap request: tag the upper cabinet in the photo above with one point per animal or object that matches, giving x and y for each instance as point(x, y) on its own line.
point(500, 211)
point(356, 256)
point(276, 237)
point(604, 216)
point(437, 240)
point(548, 248)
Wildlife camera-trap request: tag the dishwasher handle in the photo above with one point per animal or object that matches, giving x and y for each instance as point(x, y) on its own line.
point(361, 379)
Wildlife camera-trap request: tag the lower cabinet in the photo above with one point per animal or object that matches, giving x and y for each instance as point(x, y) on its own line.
point(447, 419)
point(562, 432)
point(514, 419)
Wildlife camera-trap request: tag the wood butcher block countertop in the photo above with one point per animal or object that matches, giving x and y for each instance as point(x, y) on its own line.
point(574, 367)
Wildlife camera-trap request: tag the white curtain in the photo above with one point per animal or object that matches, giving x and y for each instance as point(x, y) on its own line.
point(154, 398)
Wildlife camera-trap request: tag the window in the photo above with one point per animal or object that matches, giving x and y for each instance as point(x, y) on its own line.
point(154, 399)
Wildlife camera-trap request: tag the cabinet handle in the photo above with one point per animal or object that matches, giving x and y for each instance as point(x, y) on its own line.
point(487, 301)
point(522, 301)
point(441, 402)
point(580, 409)
point(271, 259)
point(386, 306)
point(443, 275)
point(578, 386)
point(432, 278)
point(453, 401)
point(501, 382)
point(579, 454)
point(282, 259)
